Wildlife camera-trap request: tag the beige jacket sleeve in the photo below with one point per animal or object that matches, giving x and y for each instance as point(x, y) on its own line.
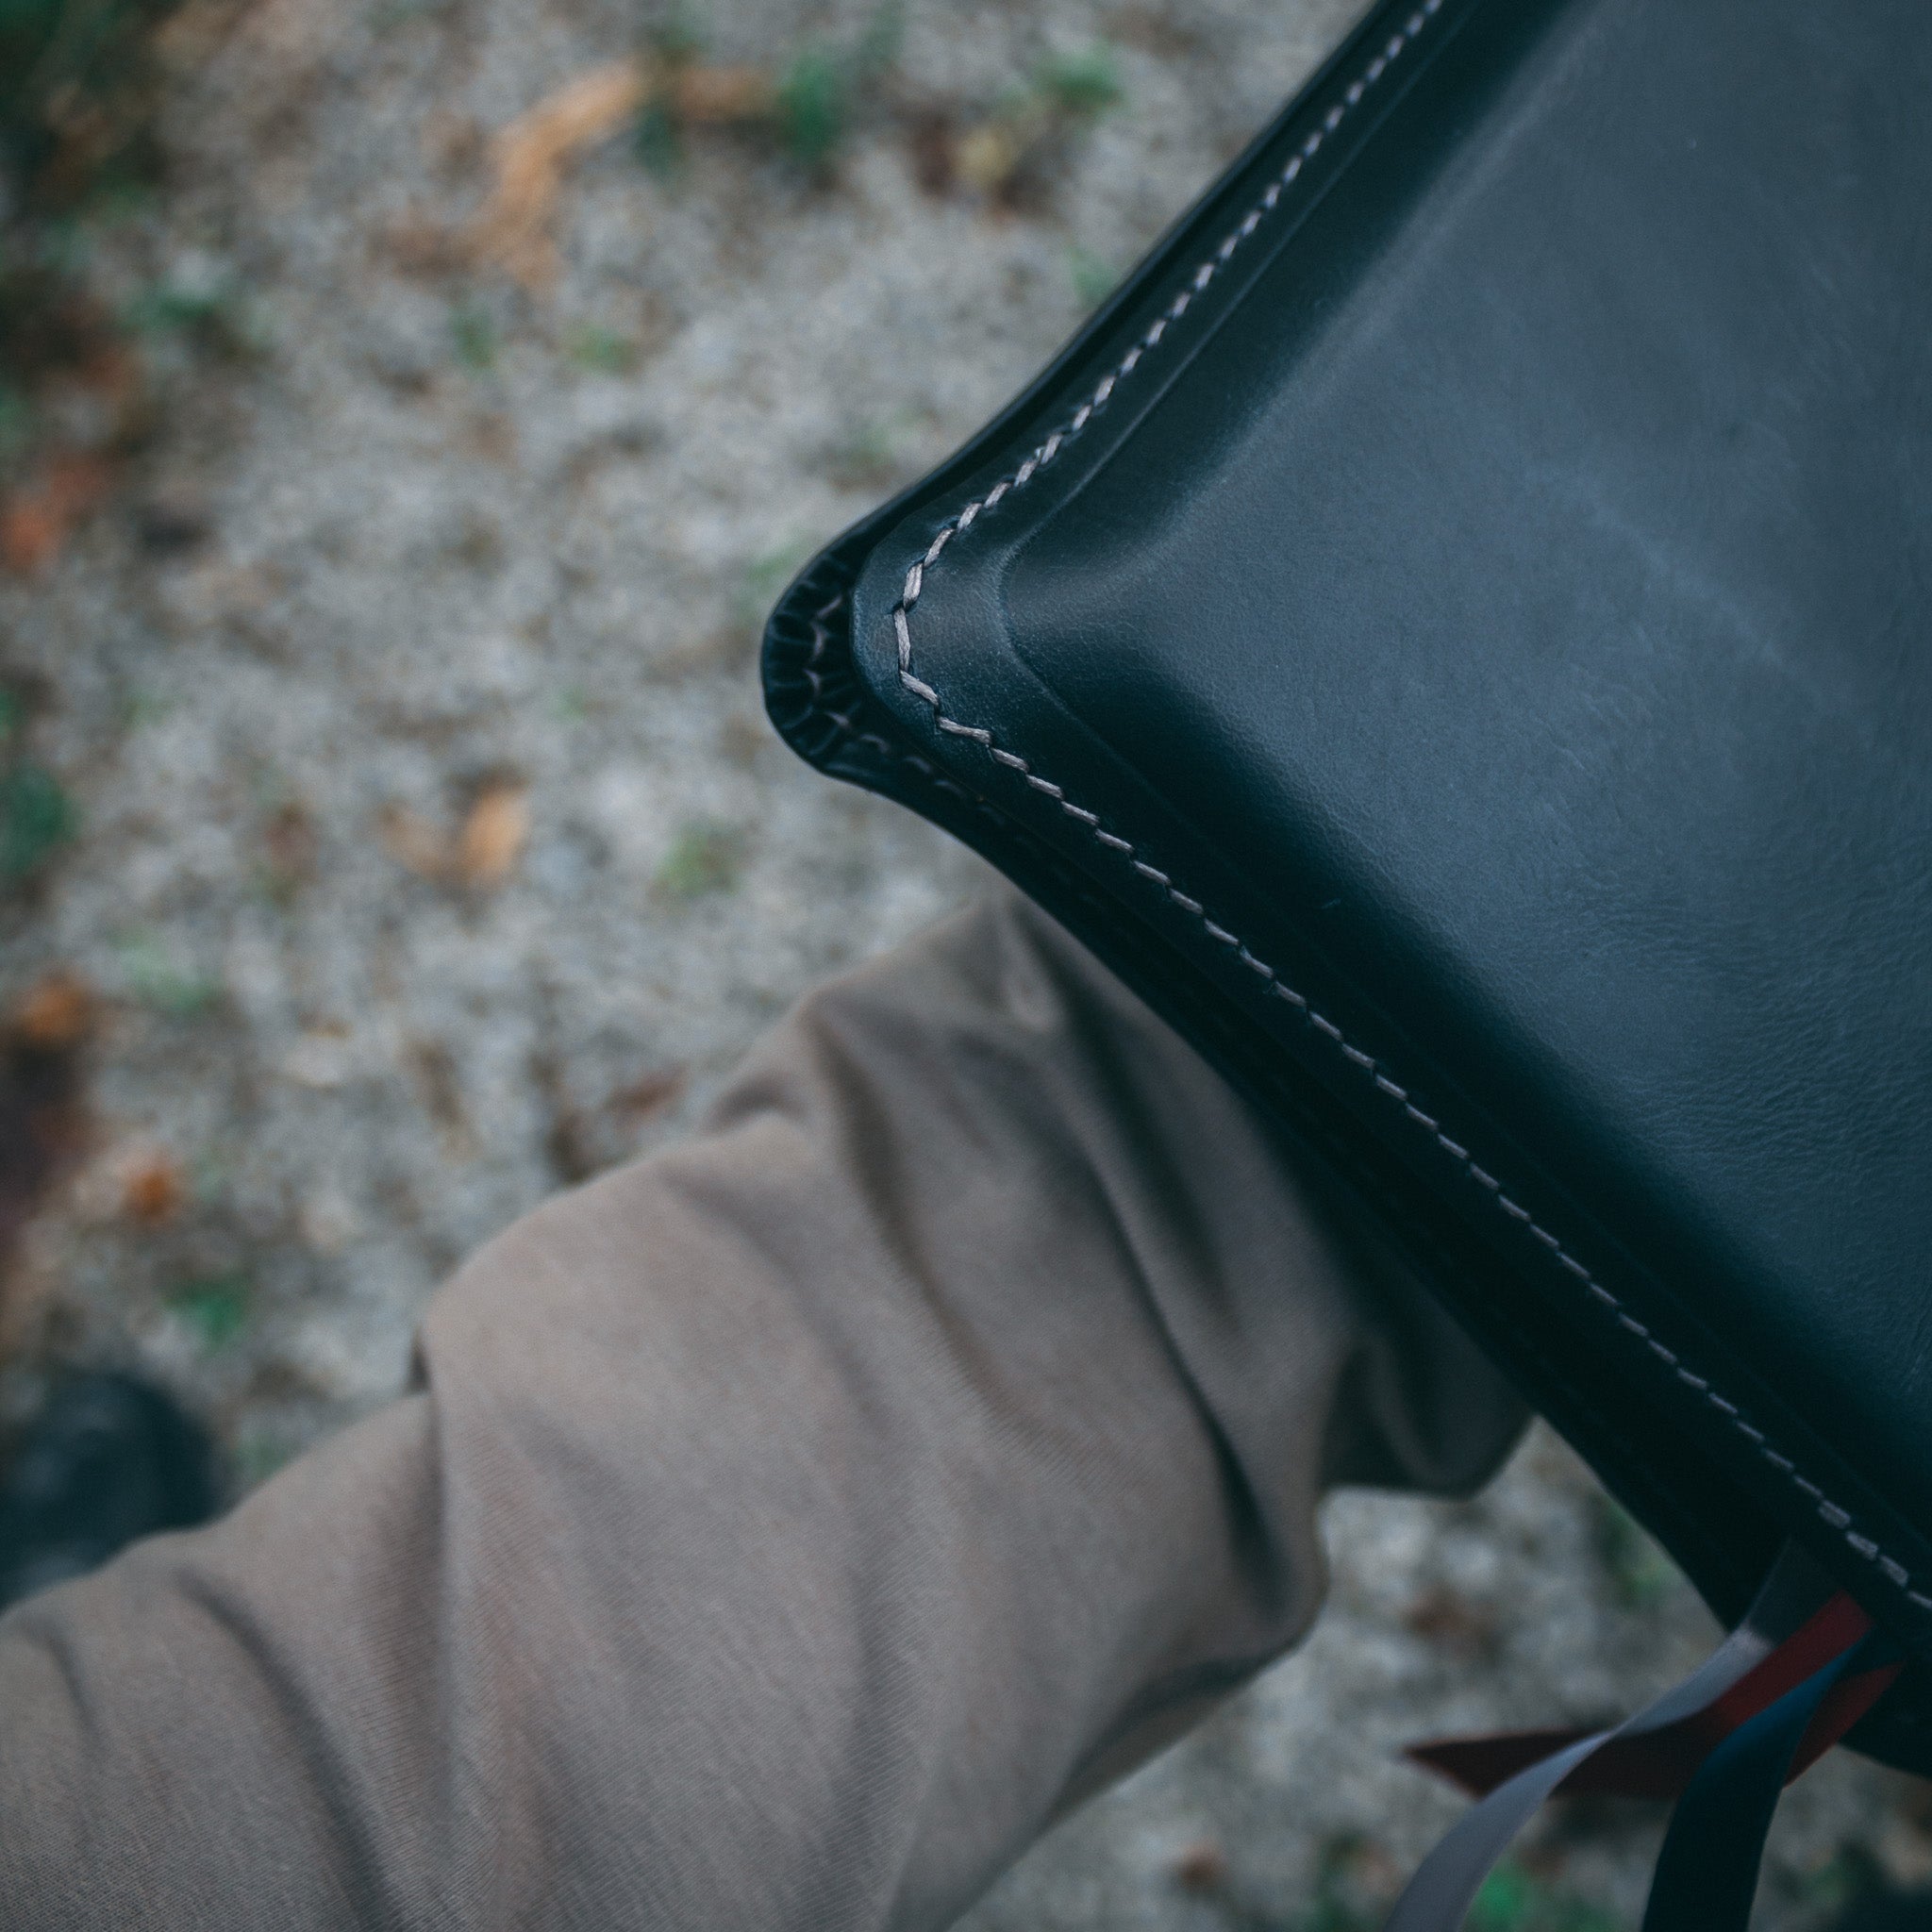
point(784, 1527)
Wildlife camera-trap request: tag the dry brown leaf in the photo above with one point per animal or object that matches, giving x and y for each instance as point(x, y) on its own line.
point(650, 1094)
point(411, 841)
point(418, 245)
point(30, 533)
point(54, 1014)
point(513, 232)
point(151, 1190)
point(291, 844)
point(451, 142)
point(1202, 1869)
point(531, 154)
point(440, 1085)
point(1442, 1616)
point(44, 1122)
point(35, 520)
point(717, 96)
point(494, 835)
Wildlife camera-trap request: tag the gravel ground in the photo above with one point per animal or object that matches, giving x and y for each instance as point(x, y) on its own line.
point(434, 852)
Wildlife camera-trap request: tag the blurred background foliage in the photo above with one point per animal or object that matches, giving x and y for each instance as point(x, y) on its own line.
point(80, 89)
point(79, 81)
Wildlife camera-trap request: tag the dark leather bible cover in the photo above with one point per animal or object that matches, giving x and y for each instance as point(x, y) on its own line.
point(1452, 632)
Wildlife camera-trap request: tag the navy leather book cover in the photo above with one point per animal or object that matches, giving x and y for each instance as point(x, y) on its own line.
point(1455, 633)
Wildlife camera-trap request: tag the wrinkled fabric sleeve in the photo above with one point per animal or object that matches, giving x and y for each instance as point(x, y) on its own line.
point(783, 1528)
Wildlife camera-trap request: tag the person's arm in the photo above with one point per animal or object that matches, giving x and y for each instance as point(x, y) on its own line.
point(786, 1526)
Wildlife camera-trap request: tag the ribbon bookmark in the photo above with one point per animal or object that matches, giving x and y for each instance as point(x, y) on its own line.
point(1800, 1626)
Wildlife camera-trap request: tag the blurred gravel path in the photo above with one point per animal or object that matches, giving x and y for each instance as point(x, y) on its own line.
point(431, 539)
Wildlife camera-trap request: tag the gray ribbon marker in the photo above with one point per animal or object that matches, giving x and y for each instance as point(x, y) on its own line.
point(1445, 1887)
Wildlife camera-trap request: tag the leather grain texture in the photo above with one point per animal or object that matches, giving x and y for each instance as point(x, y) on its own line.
point(1453, 633)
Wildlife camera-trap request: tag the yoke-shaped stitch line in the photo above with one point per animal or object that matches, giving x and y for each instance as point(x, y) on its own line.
point(1667, 1360)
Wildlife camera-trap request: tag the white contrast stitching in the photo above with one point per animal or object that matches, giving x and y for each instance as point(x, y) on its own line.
point(915, 586)
point(849, 730)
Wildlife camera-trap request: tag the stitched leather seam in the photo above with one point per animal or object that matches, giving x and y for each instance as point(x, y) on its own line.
point(849, 731)
point(1661, 1356)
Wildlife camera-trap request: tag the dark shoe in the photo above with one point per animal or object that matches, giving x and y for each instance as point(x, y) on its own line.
point(108, 1461)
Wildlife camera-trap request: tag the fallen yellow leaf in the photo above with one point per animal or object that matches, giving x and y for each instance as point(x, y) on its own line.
point(151, 1190)
point(988, 157)
point(512, 230)
point(494, 835)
